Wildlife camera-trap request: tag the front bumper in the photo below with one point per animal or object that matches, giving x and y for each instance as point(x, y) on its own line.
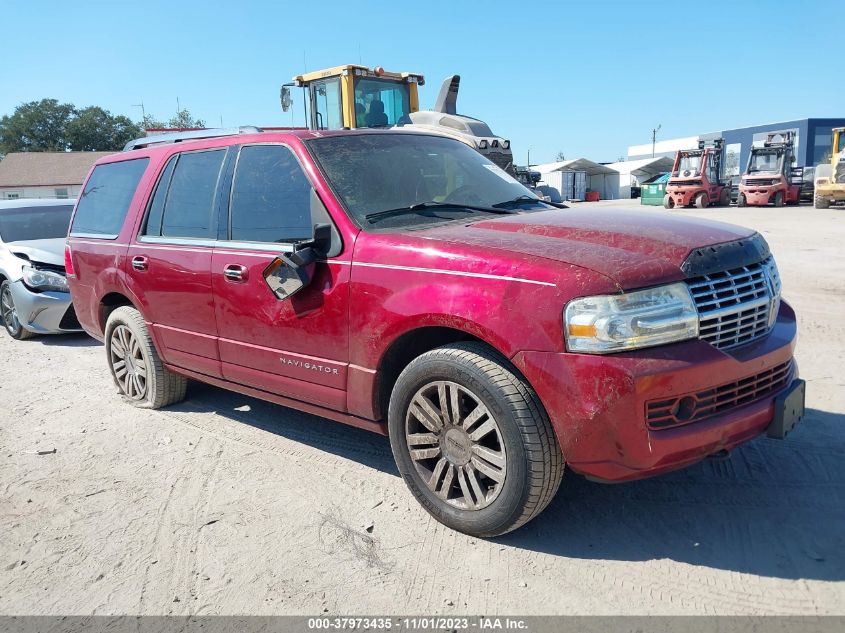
point(683, 197)
point(759, 196)
point(44, 312)
point(597, 404)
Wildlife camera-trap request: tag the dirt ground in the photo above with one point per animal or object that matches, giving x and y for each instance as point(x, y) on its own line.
point(228, 505)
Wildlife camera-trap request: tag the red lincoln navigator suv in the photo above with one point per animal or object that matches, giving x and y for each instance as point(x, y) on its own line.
point(402, 283)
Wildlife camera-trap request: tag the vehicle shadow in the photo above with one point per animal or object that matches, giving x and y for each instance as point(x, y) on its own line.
point(772, 508)
point(346, 441)
point(79, 339)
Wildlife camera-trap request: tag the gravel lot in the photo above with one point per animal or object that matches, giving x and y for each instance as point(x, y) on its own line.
point(228, 505)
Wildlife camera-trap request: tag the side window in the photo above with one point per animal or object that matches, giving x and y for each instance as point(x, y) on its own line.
point(271, 197)
point(104, 202)
point(327, 105)
point(189, 207)
point(156, 212)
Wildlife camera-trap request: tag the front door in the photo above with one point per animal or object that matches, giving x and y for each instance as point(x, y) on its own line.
point(169, 264)
point(297, 347)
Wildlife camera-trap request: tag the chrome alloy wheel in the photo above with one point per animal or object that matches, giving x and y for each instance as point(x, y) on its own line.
point(8, 311)
point(128, 363)
point(456, 445)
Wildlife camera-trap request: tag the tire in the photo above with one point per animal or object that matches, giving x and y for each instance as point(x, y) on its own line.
point(740, 201)
point(9, 314)
point(821, 202)
point(668, 202)
point(701, 201)
point(522, 464)
point(778, 199)
point(725, 197)
point(147, 383)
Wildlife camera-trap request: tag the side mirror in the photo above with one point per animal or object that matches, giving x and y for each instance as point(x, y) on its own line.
point(289, 273)
point(285, 98)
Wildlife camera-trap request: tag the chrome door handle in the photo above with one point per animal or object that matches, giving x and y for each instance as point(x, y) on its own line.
point(235, 272)
point(139, 262)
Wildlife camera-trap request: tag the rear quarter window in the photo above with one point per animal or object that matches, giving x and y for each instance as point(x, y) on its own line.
point(104, 202)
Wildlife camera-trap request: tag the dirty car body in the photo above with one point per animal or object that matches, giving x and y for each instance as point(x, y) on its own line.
point(403, 278)
point(32, 238)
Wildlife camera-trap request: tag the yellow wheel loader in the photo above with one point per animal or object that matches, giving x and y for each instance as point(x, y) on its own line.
point(353, 96)
point(830, 178)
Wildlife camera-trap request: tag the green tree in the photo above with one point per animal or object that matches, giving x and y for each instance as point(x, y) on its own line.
point(183, 119)
point(149, 122)
point(94, 129)
point(37, 126)
point(560, 157)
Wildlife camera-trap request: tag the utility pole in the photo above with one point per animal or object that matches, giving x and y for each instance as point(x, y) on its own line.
point(528, 159)
point(654, 138)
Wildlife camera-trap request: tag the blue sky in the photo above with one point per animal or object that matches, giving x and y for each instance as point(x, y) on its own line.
point(586, 78)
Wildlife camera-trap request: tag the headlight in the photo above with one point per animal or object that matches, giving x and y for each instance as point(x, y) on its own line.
point(612, 323)
point(44, 279)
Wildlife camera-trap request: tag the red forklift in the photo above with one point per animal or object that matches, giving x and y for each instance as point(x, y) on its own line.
point(770, 177)
point(696, 178)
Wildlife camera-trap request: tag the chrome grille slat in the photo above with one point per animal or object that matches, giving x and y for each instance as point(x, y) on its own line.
point(734, 306)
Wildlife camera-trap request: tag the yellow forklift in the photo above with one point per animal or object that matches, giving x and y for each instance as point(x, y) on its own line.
point(352, 96)
point(830, 178)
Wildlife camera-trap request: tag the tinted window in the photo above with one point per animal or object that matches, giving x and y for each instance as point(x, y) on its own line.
point(189, 209)
point(271, 196)
point(34, 223)
point(153, 223)
point(105, 200)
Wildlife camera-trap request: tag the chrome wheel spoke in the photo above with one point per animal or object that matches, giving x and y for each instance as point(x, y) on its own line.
point(446, 485)
point(422, 439)
point(117, 348)
point(437, 473)
point(477, 413)
point(473, 482)
point(423, 411)
point(488, 470)
point(488, 427)
point(456, 445)
point(425, 453)
point(128, 363)
point(465, 489)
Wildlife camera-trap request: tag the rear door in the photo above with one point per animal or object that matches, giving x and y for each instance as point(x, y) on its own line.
point(296, 347)
point(170, 262)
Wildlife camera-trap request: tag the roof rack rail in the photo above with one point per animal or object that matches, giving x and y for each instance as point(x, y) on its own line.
point(178, 137)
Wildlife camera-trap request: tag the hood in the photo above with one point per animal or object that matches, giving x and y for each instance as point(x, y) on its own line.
point(50, 251)
point(632, 247)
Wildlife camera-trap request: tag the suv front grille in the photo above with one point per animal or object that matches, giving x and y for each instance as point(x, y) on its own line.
point(736, 306)
point(671, 412)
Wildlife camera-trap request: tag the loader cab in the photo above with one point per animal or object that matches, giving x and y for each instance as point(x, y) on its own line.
point(350, 97)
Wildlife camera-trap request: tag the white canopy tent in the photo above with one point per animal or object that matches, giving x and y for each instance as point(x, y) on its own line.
point(600, 178)
point(634, 172)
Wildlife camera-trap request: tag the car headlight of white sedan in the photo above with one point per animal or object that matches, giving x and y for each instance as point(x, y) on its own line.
point(631, 320)
point(44, 280)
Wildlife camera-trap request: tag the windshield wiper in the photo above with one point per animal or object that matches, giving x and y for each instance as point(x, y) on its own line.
point(515, 202)
point(424, 206)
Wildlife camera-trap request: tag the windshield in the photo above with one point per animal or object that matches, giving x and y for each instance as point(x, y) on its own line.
point(690, 163)
point(34, 223)
point(768, 161)
point(381, 102)
point(372, 173)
